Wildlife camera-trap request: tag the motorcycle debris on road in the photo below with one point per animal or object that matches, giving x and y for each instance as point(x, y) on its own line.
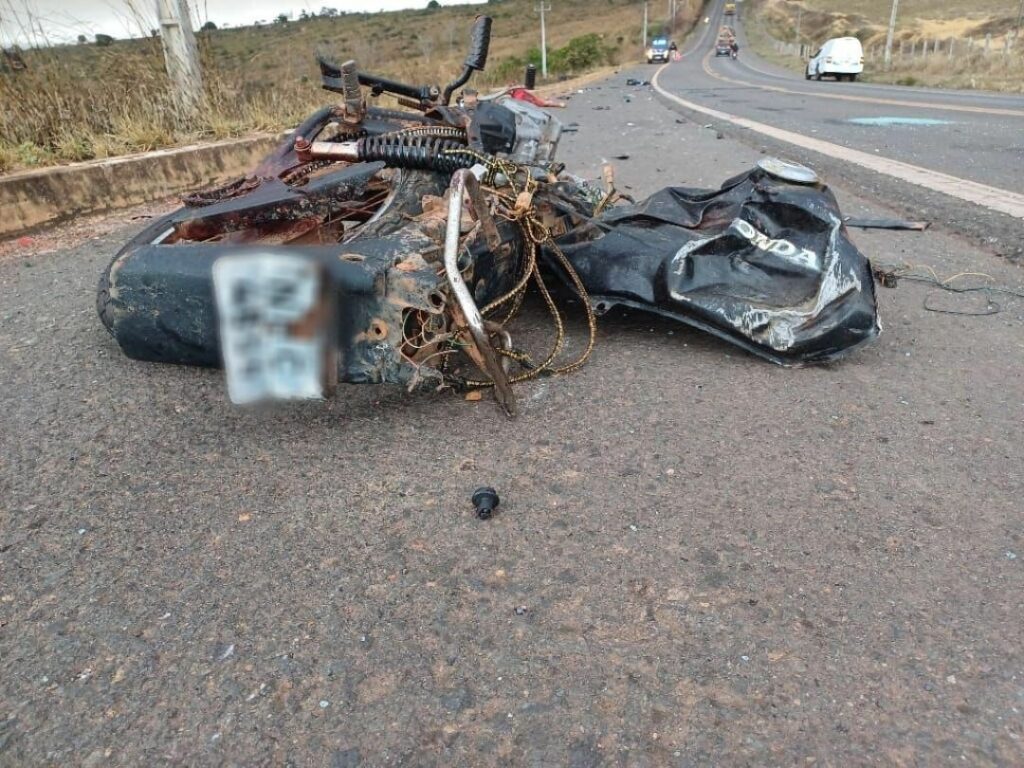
point(397, 246)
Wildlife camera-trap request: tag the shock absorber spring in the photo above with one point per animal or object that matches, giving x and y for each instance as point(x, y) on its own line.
point(437, 131)
point(422, 152)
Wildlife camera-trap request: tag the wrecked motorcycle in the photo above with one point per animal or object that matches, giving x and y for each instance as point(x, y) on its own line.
point(397, 245)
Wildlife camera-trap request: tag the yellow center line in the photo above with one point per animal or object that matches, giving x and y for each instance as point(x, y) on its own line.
point(993, 198)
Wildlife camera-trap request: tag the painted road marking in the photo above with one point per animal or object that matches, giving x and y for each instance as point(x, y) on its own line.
point(863, 99)
point(981, 194)
point(888, 122)
point(862, 85)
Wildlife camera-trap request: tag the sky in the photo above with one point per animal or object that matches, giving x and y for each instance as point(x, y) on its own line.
point(60, 21)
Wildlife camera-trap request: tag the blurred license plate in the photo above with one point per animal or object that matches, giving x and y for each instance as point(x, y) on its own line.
point(273, 334)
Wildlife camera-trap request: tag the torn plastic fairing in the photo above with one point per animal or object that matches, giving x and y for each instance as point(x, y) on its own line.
point(763, 262)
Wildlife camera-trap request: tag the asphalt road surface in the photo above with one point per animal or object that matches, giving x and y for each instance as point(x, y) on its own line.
point(700, 558)
point(969, 135)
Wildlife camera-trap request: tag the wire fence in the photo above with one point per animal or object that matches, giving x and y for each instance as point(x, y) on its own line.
point(924, 48)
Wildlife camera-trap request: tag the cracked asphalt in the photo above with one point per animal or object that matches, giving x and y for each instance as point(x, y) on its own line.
point(700, 559)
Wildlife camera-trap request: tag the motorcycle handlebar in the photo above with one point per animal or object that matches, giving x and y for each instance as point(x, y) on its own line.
point(477, 58)
point(480, 43)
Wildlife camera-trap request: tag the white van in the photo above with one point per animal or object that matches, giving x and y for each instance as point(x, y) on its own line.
point(842, 57)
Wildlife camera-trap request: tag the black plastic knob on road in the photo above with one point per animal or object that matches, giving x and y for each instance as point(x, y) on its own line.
point(485, 500)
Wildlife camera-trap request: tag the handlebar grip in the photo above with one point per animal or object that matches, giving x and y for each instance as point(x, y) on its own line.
point(481, 41)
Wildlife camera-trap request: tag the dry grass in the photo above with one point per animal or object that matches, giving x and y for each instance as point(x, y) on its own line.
point(917, 9)
point(976, 71)
point(79, 102)
point(919, 20)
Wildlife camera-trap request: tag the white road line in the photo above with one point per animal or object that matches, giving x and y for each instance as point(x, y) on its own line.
point(1002, 112)
point(992, 198)
point(745, 64)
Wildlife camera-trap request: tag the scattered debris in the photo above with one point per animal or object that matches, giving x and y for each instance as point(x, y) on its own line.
point(916, 226)
point(634, 81)
point(226, 652)
point(976, 306)
point(522, 94)
point(888, 275)
point(886, 278)
point(485, 502)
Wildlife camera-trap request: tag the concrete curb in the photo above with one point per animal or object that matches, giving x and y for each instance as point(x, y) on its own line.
point(32, 199)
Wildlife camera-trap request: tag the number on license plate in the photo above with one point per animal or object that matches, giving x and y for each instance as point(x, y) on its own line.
point(271, 309)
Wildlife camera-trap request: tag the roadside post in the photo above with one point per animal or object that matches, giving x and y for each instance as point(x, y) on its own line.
point(543, 7)
point(645, 25)
point(181, 53)
point(890, 33)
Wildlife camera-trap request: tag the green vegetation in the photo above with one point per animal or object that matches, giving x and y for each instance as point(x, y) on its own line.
point(79, 102)
point(578, 55)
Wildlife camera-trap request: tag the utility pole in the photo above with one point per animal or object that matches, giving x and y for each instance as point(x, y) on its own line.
point(1020, 15)
point(645, 25)
point(891, 32)
point(543, 39)
point(180, 53)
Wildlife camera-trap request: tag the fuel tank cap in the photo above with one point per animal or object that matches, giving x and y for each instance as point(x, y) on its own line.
point(787, 171)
